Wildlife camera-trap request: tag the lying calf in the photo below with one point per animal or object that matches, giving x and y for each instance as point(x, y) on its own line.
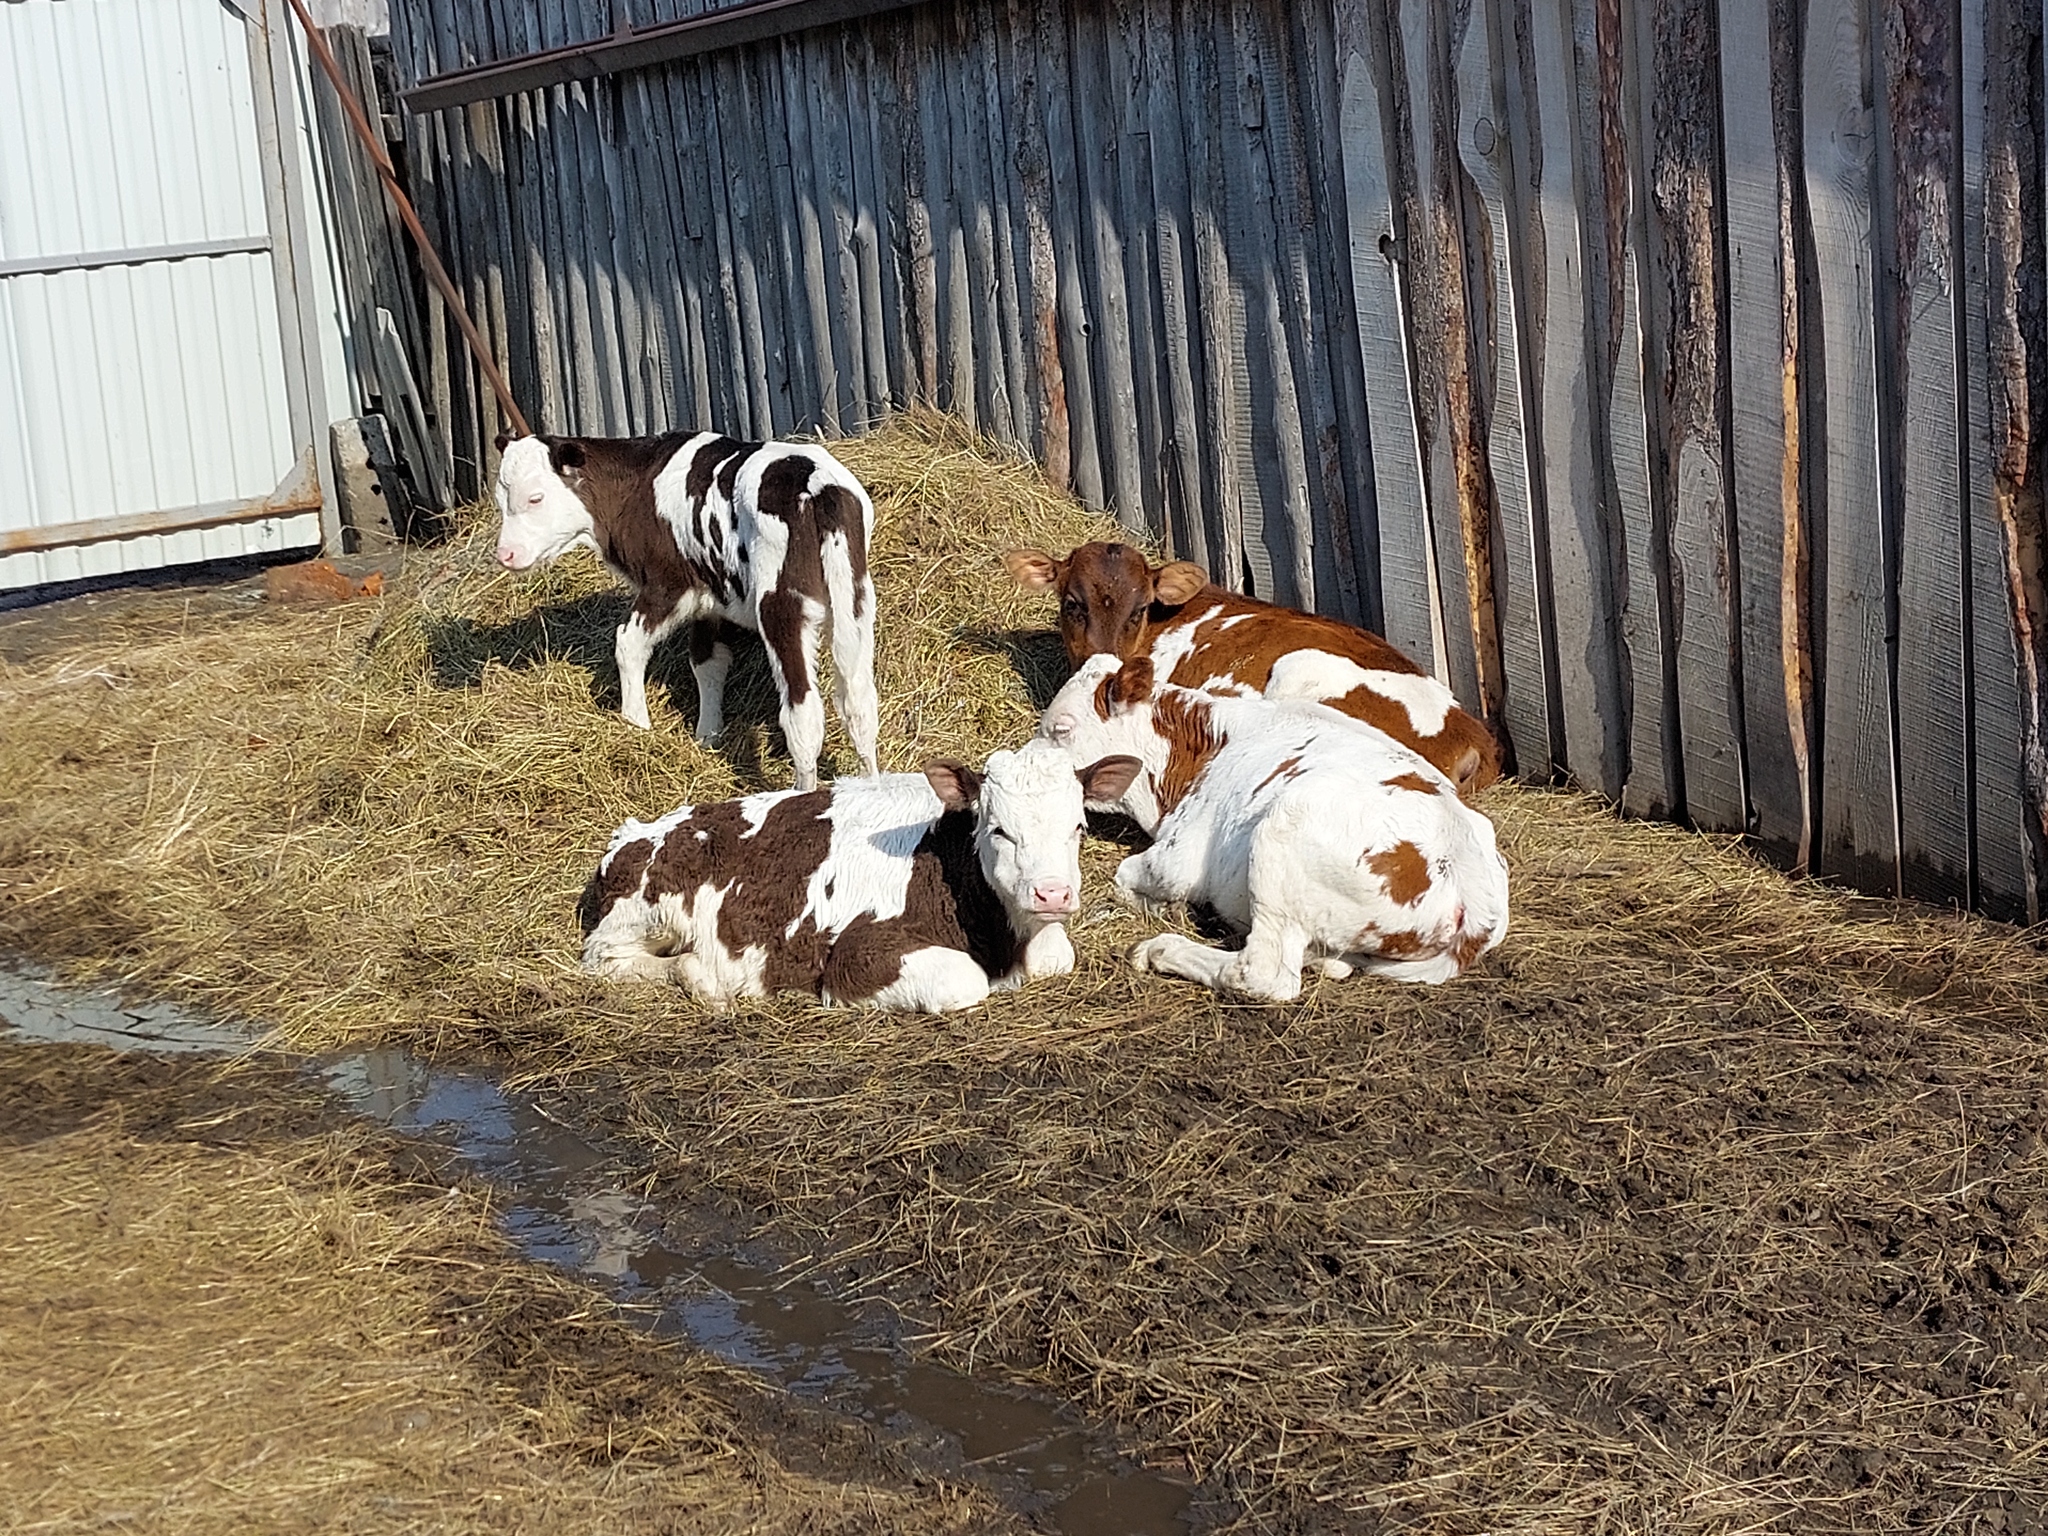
point(923, 892)
point(1199, 635)
point(713, 533)
point(1317, 836)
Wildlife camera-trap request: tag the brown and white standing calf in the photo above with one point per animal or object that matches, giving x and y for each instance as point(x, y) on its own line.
point(1315, 835)
point(922, 892)
point(713, 533)
point(1198, 635)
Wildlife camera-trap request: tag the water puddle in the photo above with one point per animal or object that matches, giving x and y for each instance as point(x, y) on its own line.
point(674, 1277)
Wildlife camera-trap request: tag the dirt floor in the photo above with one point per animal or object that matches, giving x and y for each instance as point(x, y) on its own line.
point(225, 1306)
point(1711, 1202)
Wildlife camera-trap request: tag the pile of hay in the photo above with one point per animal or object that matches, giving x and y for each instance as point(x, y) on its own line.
point(1710, 1197)
point(224, 1308)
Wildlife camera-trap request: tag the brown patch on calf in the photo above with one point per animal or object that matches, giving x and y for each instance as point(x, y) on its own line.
point(1411, 780)
point(620, 877)
point(1467, 947)
point(1405, 871)
point(1185, 722)
point(1401, 944)
point(1289, 766)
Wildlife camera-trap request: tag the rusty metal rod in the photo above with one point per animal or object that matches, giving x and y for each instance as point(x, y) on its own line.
point(436, 273)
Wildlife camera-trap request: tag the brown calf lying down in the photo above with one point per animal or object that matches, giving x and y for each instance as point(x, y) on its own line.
point(1198, 635)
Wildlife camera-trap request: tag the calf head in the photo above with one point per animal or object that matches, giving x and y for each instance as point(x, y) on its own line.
point(541, 512)
point(1106, 707)
point(1108, 594)
point(1028, 824)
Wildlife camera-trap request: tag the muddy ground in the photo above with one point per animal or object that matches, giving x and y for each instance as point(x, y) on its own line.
point(226, 1305)
point(1712, 1202)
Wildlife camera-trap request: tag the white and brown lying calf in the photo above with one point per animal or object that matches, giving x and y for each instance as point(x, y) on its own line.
point(1318, 837)
point(713, 533)
point(1198, 635)
point(923, 892)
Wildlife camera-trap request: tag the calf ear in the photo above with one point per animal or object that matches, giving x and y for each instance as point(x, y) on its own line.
point(1174, 584)
point(1108, 777)
point(503, 439)
point(1131, 683)
point(957, 785)
point(565, 453)
point(1033, 569)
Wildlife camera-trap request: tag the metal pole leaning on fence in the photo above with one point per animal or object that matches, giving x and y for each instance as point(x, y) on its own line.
point(429, 258)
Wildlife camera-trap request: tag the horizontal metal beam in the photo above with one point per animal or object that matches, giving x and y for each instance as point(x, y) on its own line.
point(636, 48)
point(298, 492)
point(133, 256)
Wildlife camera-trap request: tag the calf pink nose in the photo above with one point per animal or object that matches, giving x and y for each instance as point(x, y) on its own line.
point(507, 556)
point(1053, 896)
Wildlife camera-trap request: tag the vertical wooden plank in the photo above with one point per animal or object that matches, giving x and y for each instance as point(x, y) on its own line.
point(1202, 91)
point(1373, 95)
point(1076, 319)
point(1265, 423)
point(1097, 158)
point(973, 201)
point(1355, 536)
point(720, 104)
point(796, 148)
point(825, 68)
point(869, 214)
point(543, 258)
point(1858, 800)
point(1012, 266)
point(1484, 152)
point(775, 239)
point(1677, 173)
point(1585, 538)
point(1323, 521)
point(2002, 166)
point(1440, 329)
point(1034, 176)
point(1616, 240)
point(702, 292)
point(1189, 455)
point(1922, 435)
point(1127, 123)
point(896, 206)
point(1761, 158)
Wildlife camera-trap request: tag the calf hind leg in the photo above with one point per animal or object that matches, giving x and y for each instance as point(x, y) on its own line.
point(789, 628)
point(853, 676)
point(930, 980)
point(710, 661)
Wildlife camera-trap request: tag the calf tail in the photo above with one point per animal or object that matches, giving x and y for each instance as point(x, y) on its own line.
point(845, 519)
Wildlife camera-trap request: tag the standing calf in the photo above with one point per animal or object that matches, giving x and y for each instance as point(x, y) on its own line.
point(1198, 635)
point(1316, 836)
point(713, 533)
point(923, 892)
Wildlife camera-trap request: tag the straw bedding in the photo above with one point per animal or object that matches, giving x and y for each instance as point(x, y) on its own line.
point(1711, 1202)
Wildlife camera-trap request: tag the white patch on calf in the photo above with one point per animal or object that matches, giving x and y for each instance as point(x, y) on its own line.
point(1313, 674)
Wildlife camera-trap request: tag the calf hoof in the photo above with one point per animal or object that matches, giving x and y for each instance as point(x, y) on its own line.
point(639, 718)
point(1145, 953)
point(1335, 969)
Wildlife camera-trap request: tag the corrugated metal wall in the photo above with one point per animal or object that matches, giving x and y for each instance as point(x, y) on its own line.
point(130, 126)
point(1662, 373)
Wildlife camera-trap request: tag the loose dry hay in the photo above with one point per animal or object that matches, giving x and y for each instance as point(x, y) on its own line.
point(221, 1311)
point(1711, 1202)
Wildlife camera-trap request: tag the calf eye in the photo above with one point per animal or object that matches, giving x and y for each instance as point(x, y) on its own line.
point(1000, 835)
point(536, 498)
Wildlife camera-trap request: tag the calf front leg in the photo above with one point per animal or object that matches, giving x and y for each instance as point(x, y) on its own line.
point(643, 630)
point(1268, 967)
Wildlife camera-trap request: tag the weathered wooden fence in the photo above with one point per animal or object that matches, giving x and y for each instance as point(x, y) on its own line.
point(1664, 373)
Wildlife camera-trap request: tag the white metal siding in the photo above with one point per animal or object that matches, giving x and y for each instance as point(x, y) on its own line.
point(127, 124)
